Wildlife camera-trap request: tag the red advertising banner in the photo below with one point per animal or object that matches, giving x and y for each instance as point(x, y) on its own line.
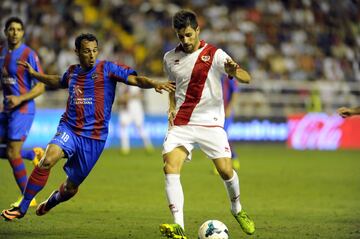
point(324, 132)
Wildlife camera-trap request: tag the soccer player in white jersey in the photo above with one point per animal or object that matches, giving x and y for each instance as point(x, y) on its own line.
point(196, 116)
point(132, 111)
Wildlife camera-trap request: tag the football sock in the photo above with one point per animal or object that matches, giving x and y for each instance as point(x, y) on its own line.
point(124, 136)
point(175, 196)
point(60, 196)
point(233, 189)
point(145, 137)
point(36, 182)
point(19, 172)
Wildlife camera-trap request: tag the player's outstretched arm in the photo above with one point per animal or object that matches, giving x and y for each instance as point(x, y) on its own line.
point(50, 80)
point(234, 70)
point(347, 112)
point(147, 83)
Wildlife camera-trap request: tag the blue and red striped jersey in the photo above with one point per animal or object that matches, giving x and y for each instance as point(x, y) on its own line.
point(15, 79)
point(229, 87)
point(91, 95)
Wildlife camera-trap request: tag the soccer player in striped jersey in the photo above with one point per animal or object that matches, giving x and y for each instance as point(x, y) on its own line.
point(83, 127)
point(196, 117)
point(19, 90)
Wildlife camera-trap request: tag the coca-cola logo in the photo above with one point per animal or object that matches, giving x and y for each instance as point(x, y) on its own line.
point(315, 131)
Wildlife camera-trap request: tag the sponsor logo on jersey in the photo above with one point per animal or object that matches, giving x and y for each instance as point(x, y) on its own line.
point(6, 79)
point(78, 98)
point(177, 62)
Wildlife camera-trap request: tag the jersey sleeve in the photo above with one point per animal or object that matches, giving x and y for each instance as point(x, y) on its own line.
point(64, 81)
point(219, 60)
point(34, 61)
point(119, 72)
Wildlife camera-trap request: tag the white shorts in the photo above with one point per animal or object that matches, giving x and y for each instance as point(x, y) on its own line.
point(212, 141)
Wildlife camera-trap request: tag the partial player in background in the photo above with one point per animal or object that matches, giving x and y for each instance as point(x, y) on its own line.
point(348, 112)
point(84, 126)
point(196, 117)
point(131, 110)
point(230, 90)
point(19, 90)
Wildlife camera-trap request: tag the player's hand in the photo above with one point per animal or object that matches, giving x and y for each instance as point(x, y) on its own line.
point(12, 101)
point(171, 117)
point(230, 67)
point(345, 112)
point(27, 66)
point(167, 86)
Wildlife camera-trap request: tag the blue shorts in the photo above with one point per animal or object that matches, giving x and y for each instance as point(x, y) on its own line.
point(82, 153)
point(15, 126)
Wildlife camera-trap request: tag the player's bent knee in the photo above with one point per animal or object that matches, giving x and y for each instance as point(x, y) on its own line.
point(170, 168)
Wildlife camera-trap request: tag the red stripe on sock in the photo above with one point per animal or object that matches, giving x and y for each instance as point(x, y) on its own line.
point(39, 176)
point(16, 162)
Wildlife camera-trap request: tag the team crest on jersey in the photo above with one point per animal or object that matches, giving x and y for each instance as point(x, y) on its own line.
point(77, 91)
point(94, 76)
point(205, 58)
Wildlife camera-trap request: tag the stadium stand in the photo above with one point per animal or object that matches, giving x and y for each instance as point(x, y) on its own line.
point(296, 51)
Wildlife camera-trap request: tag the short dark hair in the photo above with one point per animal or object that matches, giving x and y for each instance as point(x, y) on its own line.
point(185, 18)
point(14, 19)
point(84, 36)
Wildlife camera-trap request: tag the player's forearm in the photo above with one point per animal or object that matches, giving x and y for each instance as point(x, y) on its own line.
point(172, 103)
point(51, 80)
point(37, 90)
point(355, 111)
point(143, 82)
point(242, 76)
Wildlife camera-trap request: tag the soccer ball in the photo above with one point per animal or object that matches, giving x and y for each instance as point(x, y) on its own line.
point(213, 229)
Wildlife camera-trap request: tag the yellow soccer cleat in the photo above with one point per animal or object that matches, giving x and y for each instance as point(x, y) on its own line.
point(174, 231)
point(245, 222)
point(39, 153)
point(33, 202)
point(235, 164)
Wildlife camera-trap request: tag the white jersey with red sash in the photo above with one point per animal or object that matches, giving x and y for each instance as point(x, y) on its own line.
point(199, 97)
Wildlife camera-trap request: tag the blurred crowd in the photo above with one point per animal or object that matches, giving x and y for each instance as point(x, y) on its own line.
point(298, 40)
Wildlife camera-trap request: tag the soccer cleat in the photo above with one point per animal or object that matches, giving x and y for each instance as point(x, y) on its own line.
point(215, 171)
point(12, 213)
point(246, 224)
point(39, 153)
point(236, 164)
point(174, 231)
point(33, 202)
point(41, 209)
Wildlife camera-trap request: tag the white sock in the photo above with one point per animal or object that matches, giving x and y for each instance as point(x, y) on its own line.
point(175, 197)
point(124, 137)
point(233, 189)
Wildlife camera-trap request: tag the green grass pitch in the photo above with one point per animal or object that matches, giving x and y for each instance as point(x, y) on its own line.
point(289, 194)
